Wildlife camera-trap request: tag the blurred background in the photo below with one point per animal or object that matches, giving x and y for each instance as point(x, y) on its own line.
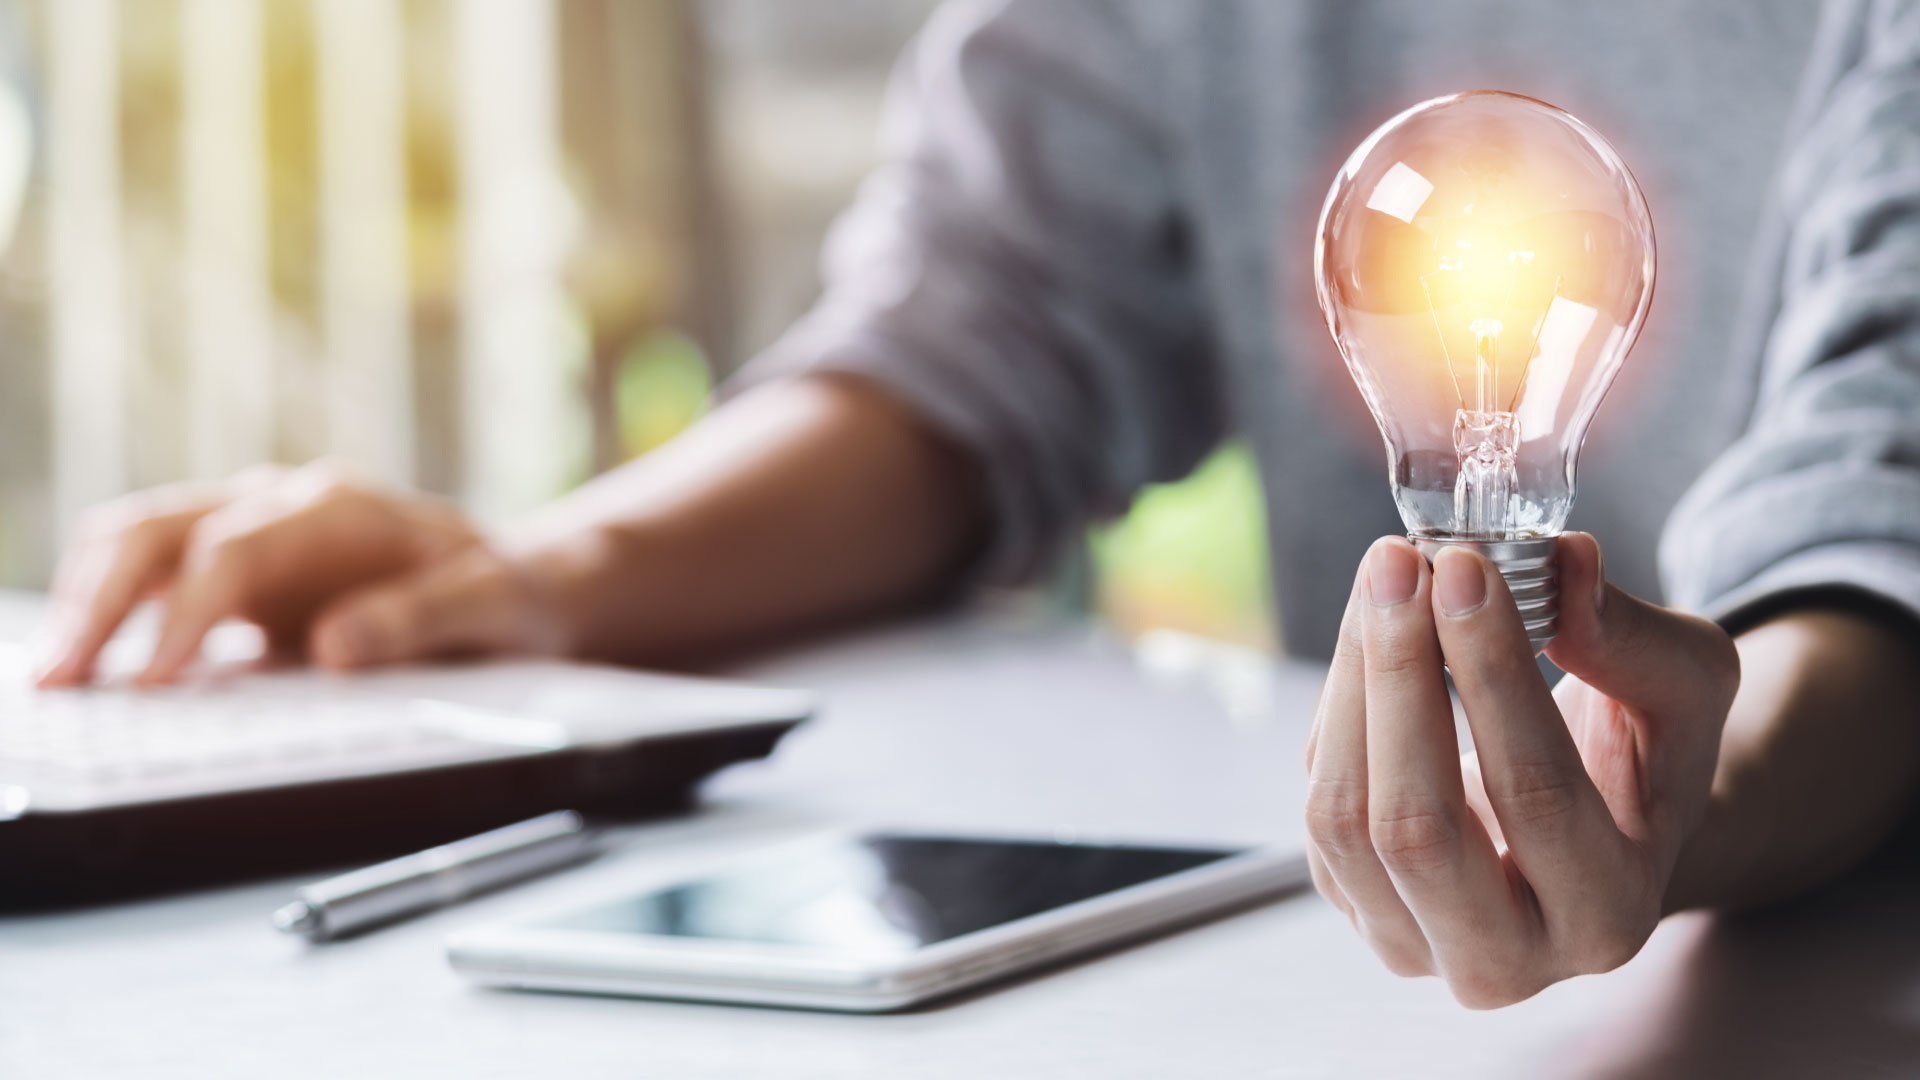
point(485, 247)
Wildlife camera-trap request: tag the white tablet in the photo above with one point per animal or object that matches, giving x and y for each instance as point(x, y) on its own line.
point(872, 922)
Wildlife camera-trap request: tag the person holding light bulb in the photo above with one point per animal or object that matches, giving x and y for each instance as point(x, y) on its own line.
point(1084, 264)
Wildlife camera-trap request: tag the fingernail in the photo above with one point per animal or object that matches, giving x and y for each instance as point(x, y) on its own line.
point(49, 671)
point(47, 663)
point(1459, 581)
point(1393, 572)
point(156, 673)
point(50, 650)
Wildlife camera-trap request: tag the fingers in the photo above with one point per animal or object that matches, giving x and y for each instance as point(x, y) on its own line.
point(98, 585)
point(1391, 797)
point(1558, 829)
point(121, 552)
point(1637, 653)
point(230, 552)
point(279, 555)
point(473, 602)
point(271, 546)
point(1323, 881)
point(1477, 798)
point(1432, 845)
point(1342, 847)
point(1346, 671)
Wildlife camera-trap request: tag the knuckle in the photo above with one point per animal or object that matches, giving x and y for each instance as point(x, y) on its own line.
point(327, 481)
point(136, 512)
point(1631, 634)
point(1401, 963)
point(1484, 657)
point(1323, 883)
point(1535, 797)
point(1352, 637)
point(254, 477)
point(1604, 944)
point(1400, 958)
point(334, 491)
point(388, 614)
point(1602, 952)
point(485, 565)
point(1724, 661)
point(1491, 986)
point(132, 532)
point(324, 470)
point(479, 573)
point(1337, 817)
point(1414, 836)
point(1507, 666)
point(230, 549)
point(1393, 652)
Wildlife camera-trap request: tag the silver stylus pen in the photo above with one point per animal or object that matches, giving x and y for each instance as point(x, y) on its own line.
point(435, 877)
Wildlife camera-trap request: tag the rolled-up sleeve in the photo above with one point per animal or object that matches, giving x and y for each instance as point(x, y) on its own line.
point(1019, 271)
point(1823, 491)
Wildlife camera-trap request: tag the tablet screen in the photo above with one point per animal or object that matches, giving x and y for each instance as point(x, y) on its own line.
point(886, 893)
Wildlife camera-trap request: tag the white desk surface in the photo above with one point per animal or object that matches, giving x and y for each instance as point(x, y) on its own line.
point(987, 722)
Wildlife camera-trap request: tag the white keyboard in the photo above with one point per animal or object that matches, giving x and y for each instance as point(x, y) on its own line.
point(72, 750)
point(79, 749)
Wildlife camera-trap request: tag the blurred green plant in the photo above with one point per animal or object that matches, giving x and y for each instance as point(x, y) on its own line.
point(661, 388)
point(1191, 555)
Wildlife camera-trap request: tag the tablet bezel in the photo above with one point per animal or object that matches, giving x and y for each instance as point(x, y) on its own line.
point(545, 957)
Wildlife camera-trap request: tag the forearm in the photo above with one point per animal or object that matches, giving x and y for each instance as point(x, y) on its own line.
point(803, 502)
point(1820, 749)
point(1818, 761)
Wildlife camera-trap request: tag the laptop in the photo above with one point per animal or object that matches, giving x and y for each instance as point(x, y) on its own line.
point(110, 791)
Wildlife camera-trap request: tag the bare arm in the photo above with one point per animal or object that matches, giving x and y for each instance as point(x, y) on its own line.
point(1819, 501)
point(805, 502)
point(1818, 763)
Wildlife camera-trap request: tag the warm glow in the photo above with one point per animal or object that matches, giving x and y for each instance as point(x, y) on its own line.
point(1487, 259)
point(1484, 259)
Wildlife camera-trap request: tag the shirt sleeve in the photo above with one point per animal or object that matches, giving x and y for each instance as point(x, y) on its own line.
point(1823, 491)
point(1019, 272)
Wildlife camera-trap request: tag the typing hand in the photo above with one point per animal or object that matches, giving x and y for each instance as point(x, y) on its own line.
point(355, 573)
point(1550, 854)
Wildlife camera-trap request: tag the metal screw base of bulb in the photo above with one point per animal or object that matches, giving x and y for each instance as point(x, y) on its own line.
point(1532, 573)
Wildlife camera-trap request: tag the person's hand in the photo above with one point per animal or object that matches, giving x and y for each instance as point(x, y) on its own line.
point(1549, 855)
point(354, 573)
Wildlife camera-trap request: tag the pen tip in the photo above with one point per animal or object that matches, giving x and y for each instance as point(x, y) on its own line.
point(298, 917)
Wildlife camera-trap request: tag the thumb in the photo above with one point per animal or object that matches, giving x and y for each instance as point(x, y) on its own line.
point(1637, 653)
point(469, 603)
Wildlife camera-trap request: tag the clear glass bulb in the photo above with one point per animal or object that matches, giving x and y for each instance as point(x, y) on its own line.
point(1485, 261)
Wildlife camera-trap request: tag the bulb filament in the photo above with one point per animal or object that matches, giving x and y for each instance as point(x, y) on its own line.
point(1486, 336)
point(1486, 434)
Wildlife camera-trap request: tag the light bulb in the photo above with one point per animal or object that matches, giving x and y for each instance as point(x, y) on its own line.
point(1485, 261)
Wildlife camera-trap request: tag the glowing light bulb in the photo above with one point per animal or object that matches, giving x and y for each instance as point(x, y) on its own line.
point(1485, 261)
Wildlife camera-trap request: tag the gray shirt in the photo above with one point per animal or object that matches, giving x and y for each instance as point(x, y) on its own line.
point(1089, 259)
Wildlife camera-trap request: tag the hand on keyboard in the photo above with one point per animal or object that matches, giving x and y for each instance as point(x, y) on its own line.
point(349, 572)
